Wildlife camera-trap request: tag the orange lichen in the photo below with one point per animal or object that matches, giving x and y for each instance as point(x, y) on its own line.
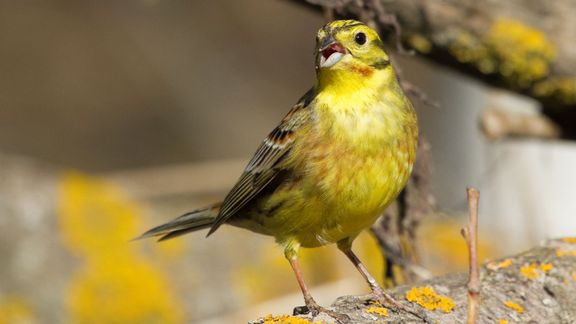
point(499, 265)
point(571, 240)
point(15, 310)
point(563, 253)
point(574, 275)
point(530, 271)
point(429, 299)
point(502, 321)
point(514, 306)
point(285, 319)
point(533, 271)
point(377, 310)
point(545, 267)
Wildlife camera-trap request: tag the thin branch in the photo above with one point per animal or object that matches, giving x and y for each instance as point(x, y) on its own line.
point(470, 234)
point(390, 19)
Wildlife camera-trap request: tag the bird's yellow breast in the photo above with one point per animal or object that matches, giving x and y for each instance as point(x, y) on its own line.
point(353, 160)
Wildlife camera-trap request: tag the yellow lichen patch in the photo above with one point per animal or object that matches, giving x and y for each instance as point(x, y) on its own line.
point(524, 53)
point(571, 240)
point(420, 43)
point(117, 284)
point(514, 306)
point(564, 253)
point(502, 321)
point(574, 275)
point(499, 265)
point(534, 270)
point(562, 89)
point(286, 319)
point(127, 291)
point(530, 271)
point(377, 310)
point(545, 267)
point(15, 310)
point(429, 299)
point(520, 54)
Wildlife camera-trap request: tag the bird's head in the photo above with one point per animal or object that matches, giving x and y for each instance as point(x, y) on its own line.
point(345, 44)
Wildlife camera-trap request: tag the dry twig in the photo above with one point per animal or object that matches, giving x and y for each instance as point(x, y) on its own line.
point(470, 234)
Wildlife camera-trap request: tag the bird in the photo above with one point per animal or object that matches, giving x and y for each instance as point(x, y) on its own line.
point(332, 165)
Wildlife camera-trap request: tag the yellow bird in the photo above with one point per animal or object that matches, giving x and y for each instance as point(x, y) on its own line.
point(332, 165)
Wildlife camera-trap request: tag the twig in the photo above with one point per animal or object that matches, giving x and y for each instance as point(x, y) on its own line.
point(470, 234)
point(391, 20)
point(418, 93)
point(328, 13)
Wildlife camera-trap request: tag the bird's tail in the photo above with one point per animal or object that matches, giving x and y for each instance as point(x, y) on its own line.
point(189, 222)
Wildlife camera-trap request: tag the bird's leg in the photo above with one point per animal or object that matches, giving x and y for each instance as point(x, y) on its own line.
point(311, 305)
point(381, 295)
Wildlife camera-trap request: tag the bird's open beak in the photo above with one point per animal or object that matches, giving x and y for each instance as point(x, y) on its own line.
point(330, 52)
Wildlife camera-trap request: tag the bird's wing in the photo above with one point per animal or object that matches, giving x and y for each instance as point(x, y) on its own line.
point(263, 167)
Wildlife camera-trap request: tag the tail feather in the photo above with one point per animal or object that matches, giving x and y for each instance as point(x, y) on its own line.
point(189, 222)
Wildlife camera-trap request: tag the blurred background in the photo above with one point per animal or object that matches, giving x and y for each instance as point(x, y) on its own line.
point(116, 116)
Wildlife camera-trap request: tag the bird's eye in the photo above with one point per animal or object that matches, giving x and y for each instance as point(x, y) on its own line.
point(360, 38)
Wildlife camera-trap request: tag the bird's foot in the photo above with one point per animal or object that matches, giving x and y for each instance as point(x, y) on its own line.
point(388, 301)
point(314, 309)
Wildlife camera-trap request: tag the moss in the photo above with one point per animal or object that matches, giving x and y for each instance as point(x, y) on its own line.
point(429, 299)
point(377, 310)
point(514, 306)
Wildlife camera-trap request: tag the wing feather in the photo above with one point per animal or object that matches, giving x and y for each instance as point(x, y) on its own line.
point(263, 167)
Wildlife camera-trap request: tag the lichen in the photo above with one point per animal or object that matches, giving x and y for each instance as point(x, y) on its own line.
point(524, 52)
point(570, 240)
point(530, 271)
point(561, 89)
point(520, 54)
point(420, 43)
point(14, 309)
point(285, 319)
point(545, 267)
point(563, 253)
point(429, 299)
point(514, 306)
point(116, 283)
point(499, 265)
point(377, 310)
point(534, 270)
point(502, 321)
